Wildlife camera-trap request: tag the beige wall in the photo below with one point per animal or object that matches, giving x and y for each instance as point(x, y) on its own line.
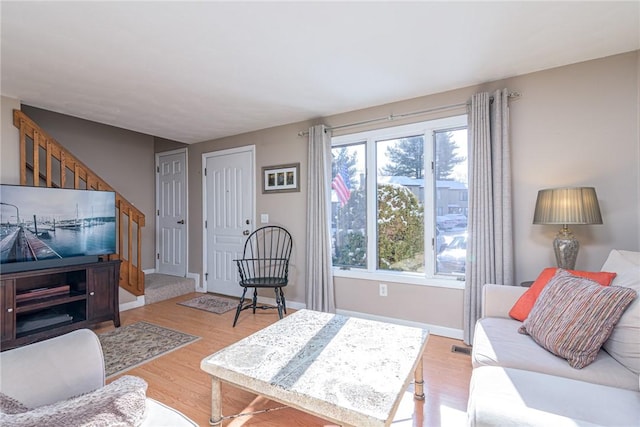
point(9, 143)
point(574, 125)
point(161, 144)
point(123, 158)
point(273, 146)
point(578, 126)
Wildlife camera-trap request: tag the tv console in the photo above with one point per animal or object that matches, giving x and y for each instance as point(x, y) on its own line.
point(40, 304)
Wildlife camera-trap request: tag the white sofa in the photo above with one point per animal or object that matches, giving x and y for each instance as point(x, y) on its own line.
point(63, 367)
point(516, 382)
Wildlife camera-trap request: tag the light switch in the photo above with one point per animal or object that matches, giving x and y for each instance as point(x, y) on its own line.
point(264, 218)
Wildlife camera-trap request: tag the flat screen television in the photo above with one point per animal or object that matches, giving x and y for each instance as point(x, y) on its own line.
point(45, 227)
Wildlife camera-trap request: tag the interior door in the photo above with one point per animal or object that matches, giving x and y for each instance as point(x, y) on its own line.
point(229, 195)
point(171, 210)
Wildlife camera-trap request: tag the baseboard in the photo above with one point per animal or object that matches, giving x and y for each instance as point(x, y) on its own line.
point(290, 304)
point(196, 277)
point(457, 334)
point(433, 329)
point(149, 271)
point(139, 302)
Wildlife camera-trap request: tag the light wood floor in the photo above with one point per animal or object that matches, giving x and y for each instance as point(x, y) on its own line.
point(176, 379)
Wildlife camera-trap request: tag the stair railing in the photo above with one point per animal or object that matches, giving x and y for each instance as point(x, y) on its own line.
point(44, 161)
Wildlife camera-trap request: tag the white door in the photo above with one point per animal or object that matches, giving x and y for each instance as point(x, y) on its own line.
point(171, 213)
point(228, 196)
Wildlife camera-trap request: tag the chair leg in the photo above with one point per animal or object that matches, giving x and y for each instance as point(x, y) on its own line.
point(278, 302)
point(239, 309)
point(284, 301)
point(255, 300)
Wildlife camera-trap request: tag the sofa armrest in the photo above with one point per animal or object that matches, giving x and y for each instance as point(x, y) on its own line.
point(497, 300)
point(52, 370)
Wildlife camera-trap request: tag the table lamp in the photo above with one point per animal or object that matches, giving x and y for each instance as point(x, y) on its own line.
point(572, 205)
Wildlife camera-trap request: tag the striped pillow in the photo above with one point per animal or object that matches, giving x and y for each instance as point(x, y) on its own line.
point(574, 316)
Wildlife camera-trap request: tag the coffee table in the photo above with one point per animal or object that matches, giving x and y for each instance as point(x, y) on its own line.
point(346, 370)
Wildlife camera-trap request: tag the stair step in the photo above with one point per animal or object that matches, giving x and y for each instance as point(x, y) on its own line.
point(160, 287)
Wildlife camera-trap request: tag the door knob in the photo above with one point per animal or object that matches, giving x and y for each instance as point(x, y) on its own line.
point(181, 221)
point(245, 232)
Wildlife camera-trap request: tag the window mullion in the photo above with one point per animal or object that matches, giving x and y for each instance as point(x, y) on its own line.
point(429, 198)
point(372, 206)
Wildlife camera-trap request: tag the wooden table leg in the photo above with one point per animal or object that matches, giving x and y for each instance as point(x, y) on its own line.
point(216, 403)
point(419, 380)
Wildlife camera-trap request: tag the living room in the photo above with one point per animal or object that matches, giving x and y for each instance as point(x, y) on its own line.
point(571, 123)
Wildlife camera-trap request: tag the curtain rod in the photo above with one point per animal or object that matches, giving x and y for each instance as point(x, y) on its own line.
point(392, 117)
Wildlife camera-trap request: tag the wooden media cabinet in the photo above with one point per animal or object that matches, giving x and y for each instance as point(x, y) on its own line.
point(39, 304)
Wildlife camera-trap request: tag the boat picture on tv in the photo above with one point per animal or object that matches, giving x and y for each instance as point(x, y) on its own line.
point(40, 223)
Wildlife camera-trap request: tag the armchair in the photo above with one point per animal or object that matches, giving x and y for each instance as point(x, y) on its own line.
point(61, 368)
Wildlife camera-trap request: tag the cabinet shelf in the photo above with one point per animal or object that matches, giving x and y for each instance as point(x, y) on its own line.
point(42, 303)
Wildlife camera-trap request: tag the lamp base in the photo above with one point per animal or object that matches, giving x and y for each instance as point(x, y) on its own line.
point(566, 248)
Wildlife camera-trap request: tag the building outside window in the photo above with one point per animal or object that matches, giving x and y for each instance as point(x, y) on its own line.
point(399, 199)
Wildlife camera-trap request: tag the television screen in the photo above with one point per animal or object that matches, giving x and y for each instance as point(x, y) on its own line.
point(44, 227)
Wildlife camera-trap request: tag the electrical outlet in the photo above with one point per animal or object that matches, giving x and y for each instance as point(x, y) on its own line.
point(383, 290)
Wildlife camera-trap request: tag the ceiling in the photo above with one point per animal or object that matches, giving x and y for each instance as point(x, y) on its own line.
point(195, 71)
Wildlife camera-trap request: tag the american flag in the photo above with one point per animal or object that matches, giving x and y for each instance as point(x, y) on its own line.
point(340, 184)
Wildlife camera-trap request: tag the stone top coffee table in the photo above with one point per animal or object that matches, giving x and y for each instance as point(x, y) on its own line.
point(343, 369)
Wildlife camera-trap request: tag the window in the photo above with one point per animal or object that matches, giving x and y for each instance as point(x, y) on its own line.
point(399, 199)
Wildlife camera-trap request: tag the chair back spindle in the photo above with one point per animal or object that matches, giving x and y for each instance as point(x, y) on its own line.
point(265, 264)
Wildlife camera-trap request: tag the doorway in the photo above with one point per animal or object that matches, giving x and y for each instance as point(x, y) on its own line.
point(229, 212)
point(171, 212)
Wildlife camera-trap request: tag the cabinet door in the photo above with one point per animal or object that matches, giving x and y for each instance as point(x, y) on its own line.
point(101, 298)
point(7, 310)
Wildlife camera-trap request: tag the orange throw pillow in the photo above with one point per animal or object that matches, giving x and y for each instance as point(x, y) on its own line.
point(522, 307)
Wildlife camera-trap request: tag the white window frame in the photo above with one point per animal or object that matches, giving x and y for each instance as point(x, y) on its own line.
point(427, 129)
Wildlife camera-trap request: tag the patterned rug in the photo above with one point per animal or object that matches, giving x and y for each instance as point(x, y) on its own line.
point(211, 303)
point(132, 345)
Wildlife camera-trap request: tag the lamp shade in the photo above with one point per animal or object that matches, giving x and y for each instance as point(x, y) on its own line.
point(574, 205)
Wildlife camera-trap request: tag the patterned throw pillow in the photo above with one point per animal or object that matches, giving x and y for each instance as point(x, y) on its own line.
point(574, 316)
point(523, 306)
point(8, 405)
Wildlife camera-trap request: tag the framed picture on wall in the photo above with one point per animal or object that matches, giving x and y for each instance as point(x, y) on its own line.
point(281, 178)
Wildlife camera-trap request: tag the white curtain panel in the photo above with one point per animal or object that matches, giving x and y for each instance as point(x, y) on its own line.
point(490, 243)
point(319, 290)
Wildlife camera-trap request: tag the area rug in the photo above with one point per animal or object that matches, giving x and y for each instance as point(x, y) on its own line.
point(132, 345)
point(211, 303)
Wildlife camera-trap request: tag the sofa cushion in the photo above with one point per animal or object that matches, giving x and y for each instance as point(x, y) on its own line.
point(159, 414)
point(513, 397)
point(525, 303)
point(574, 316)
point(120, 403)
point(624, 342)
point(496, 342)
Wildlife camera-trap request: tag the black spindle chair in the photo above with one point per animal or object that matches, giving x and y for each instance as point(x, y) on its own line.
point(265, 264)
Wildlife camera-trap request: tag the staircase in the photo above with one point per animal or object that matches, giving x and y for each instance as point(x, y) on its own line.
point(44, 162)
